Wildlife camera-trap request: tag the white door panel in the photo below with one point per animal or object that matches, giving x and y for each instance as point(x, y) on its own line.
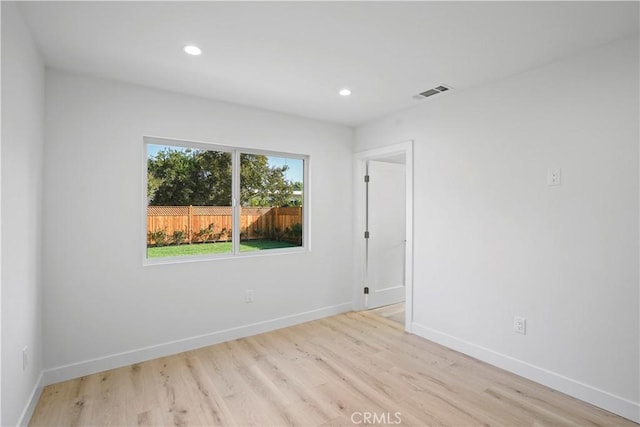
point(386, 243)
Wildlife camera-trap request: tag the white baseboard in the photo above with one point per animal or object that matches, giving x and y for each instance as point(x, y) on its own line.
point(100, 364)
point(605, 400)
point(26, 415)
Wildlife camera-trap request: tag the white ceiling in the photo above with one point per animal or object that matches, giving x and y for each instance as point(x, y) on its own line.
point(293, 57)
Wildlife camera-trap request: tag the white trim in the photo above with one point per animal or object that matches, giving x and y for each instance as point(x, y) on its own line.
point(306, 203)
point(360, 158)
point(235, 203)
point(603, 399)
point(100, 364)
point(217, 257)
point(27, 413)
point(359, 255)
point(144, 195)
point(213, 146)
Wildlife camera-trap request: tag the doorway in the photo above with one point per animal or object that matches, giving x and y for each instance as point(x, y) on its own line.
point(385, 241)
point(384, 219)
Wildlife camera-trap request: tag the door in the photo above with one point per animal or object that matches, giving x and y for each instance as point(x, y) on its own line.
point(386, 244)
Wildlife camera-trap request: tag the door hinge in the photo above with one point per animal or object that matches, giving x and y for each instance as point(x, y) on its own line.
point(366, 178)
point(366, 234)
point(366, 290)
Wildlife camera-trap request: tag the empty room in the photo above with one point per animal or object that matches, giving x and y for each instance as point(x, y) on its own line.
point(320, 213)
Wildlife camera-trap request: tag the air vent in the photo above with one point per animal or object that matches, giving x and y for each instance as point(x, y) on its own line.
point(431, 92)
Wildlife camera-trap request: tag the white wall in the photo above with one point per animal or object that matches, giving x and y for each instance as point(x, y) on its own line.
point(493, 241)
point(22, 140)
point(99, 299)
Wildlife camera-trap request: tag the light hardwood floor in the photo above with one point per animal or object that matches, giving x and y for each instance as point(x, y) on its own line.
point(319, 373)
point(393, 312)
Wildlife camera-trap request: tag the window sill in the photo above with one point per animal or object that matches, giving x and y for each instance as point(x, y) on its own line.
point(217, 257)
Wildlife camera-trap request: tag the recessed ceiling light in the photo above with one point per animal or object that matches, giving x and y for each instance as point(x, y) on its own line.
point(345, 92)
point(193, 50)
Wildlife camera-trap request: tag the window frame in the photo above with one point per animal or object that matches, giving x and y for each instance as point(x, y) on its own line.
point(235, 152)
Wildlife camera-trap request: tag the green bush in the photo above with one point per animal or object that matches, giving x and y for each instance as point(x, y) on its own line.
point(294, 234)
point(178, 237)
point(206, 234)
point(158, 237)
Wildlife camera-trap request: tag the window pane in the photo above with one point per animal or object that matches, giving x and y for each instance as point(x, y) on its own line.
point(188, 201)
point(271, 200)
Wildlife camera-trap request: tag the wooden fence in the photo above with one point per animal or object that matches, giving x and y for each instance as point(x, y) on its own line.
point(214, 223)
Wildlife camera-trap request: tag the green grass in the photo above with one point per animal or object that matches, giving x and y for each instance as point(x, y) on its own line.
point(214, 248)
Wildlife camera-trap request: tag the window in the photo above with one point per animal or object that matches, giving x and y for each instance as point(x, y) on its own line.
point(191, 194)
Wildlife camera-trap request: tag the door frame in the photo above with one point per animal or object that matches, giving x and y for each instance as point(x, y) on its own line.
point(359, 167)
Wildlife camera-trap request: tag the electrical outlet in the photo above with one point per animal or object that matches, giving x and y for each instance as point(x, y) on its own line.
point(553, 176)
point(248, 296)
point(520, 325)
point(25, 357)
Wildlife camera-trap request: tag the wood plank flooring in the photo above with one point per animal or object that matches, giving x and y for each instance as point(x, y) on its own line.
point(393, 312)
point(342, 370)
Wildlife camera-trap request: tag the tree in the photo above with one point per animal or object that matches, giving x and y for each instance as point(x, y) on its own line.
point(212, 178)
point(189, 177)
point(180, 177)
point(262, 185)
point(153, 184)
